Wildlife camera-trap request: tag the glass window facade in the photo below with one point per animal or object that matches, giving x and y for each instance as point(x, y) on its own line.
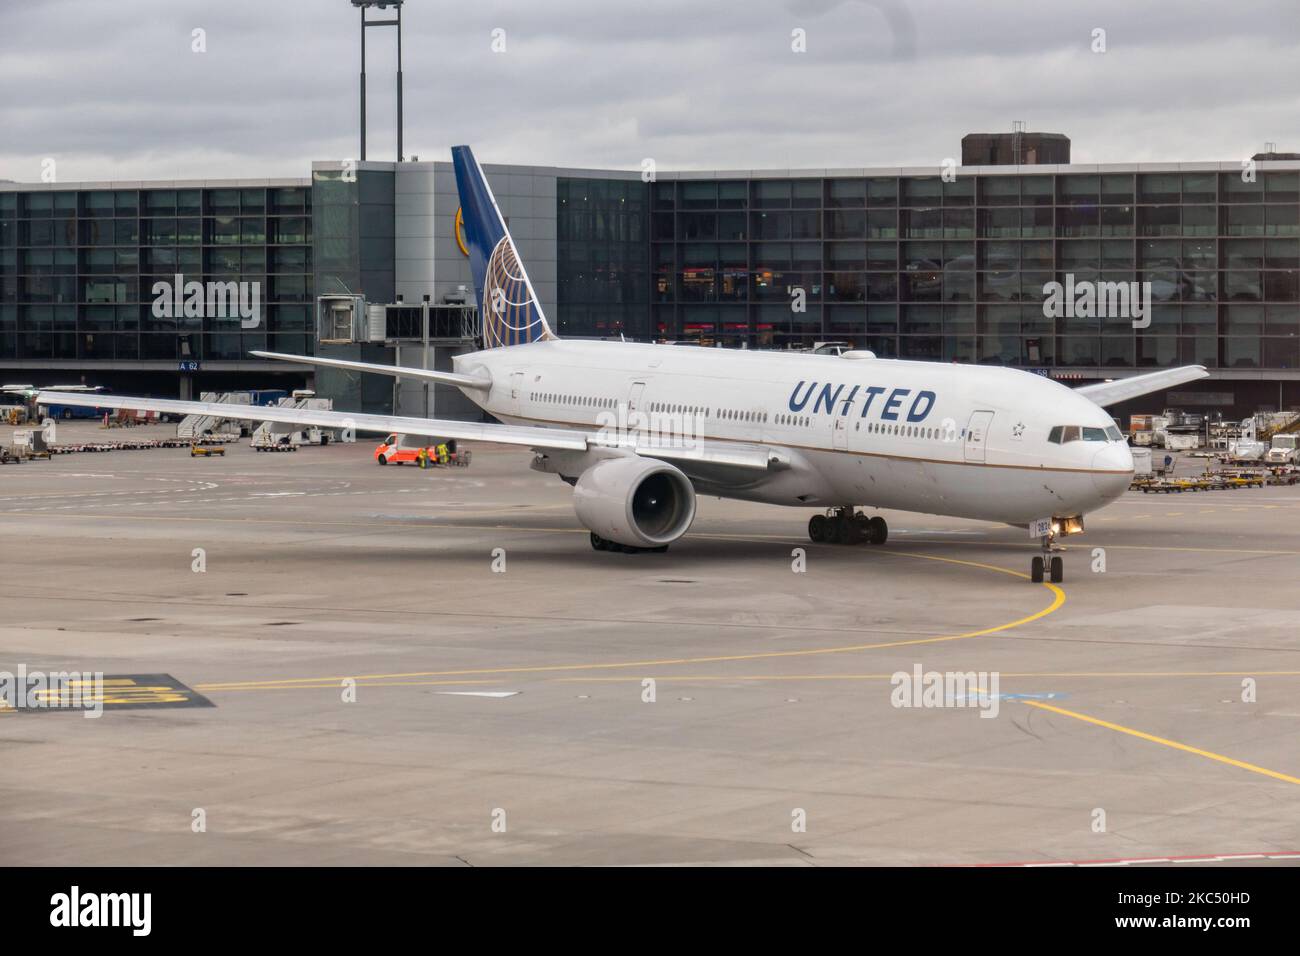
point(78, 270)
point(917, 267)
point(602, 239)
point(905, 266)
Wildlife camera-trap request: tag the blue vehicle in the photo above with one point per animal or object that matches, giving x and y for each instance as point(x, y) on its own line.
point(57, 410)
point(67, 412)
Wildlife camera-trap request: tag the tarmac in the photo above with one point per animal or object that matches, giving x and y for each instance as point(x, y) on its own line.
point(312, 659)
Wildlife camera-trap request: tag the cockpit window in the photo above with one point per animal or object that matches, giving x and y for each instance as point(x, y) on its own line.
point(1062, 434)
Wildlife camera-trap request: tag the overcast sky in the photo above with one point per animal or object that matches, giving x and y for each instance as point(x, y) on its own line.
point(111, 89)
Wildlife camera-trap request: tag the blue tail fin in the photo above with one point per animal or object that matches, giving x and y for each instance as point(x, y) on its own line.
point(511, 313)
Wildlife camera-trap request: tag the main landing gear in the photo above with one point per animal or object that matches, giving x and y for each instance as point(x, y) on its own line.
point(604, 544)
point(846, 526)
point(1047, 562)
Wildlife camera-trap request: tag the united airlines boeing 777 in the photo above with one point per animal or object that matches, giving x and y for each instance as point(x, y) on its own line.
point(640, 430)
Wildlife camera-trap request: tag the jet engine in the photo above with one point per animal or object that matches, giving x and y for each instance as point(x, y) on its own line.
point(634, 502)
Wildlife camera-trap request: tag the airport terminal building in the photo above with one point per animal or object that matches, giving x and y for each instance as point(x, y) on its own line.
point(365, 260)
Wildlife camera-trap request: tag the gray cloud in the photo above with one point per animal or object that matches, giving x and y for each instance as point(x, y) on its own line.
point(112, 90)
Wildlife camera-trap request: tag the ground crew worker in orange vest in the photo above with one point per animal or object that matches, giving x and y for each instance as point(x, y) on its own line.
point(422, 457)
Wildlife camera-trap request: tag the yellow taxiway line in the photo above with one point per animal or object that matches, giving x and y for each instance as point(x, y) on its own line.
point(1058, 599)
point(1142, 735)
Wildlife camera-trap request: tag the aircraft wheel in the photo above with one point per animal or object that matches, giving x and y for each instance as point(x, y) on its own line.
point(877, 530)
point(1036, 570)
point(817, 528)
point(846, 531)
point(1057, 570)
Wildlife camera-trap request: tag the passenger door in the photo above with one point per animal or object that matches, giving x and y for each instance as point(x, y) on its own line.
point(840, 432)
point(635, 420)
point(516, 391)
point(977, 434)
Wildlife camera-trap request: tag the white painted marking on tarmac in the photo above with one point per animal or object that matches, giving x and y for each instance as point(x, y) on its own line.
point(1147, 860)
point(479, 693)
point(935, 531)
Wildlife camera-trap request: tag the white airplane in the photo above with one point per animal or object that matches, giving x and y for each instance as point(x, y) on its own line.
point(30, 390)
point(640, 431)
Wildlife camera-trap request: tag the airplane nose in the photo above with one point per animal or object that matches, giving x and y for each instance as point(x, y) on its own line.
point(1112, 469)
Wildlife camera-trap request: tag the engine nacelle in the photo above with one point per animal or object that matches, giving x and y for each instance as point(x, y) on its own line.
point(638, 502)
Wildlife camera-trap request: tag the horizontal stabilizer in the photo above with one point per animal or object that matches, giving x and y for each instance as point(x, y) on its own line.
point(1122, 389)
point(482, 383)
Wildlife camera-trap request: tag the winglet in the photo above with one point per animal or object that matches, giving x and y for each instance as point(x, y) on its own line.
point(1122, 389)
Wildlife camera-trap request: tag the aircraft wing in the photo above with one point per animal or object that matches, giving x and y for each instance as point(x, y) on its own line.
point(397, 371)
point(381, 424)
point(1122, 389)
point(717, 455)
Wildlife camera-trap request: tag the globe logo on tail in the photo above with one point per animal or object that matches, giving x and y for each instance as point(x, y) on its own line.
point(510, 316)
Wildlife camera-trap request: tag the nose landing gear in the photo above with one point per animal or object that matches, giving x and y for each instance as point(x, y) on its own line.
point(1047, 562)
point(846, 526)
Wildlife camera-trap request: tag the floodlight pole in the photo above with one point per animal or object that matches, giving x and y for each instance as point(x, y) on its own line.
point(363, 84)
point(399, 83)
point(363, 5)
